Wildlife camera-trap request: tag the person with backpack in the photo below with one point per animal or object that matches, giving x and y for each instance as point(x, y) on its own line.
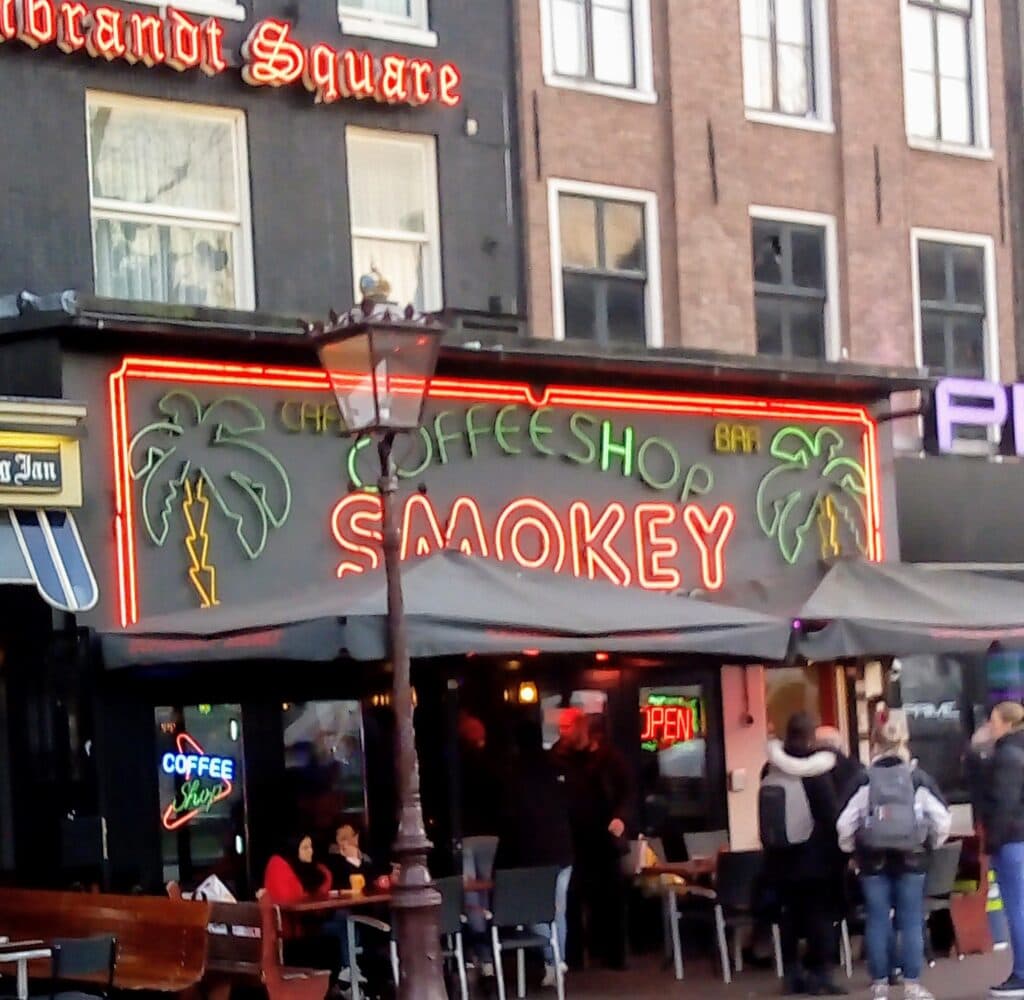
point(1003, 822)
point(896, 816)
point(797, 812)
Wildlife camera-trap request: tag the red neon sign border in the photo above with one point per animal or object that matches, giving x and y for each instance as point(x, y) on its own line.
point(256, 376)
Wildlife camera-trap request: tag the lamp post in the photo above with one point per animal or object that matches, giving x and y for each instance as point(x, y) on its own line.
point(380, 363)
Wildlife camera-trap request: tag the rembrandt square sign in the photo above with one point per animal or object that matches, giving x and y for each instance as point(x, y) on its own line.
point(232, 483)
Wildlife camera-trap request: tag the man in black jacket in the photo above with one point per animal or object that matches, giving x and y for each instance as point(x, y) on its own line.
point(804, 874)
point(1003, 818)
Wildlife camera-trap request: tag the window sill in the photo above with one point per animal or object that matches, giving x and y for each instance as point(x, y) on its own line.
point(601, 89)
point(404, 33)
point(790, 121)
point(212, 8)
point(949, 148)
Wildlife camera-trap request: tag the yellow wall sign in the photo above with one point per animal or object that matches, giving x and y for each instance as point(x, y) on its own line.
point(737, 439)
point(40, 459)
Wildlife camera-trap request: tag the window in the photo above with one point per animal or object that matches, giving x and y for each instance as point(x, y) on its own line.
point(944, 72)
point(211, 8)
point(951, 293)
point(794, 279)
point(324, 765)
point(785, 59)
point(605, 264)
point(170, 203)
point(202, 815)
point(599, 45)
point(394, 20)
point(392, 183)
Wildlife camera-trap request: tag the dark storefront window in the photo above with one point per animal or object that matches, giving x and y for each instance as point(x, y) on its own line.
point(604, 269)
point(325, 770)
point(201, 768)
point(790, 288)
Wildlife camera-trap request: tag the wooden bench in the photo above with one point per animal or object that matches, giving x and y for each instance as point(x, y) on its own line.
point(161, 943)
point(246, 947)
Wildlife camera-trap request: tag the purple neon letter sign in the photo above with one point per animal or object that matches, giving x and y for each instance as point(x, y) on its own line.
point(950, 414)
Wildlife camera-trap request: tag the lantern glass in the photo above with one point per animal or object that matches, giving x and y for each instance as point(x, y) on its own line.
point(380, 374)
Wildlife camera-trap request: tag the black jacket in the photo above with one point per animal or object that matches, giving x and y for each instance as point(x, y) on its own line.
point(481, 787)
point(817, 858)
point(533, 822)
point(1004, 801)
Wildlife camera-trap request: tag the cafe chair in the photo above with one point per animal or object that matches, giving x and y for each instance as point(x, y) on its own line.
point(355, 949)
point(729, 906)
point(77, 959)
point(523, 899)
point(943, 866)
point(705, 843)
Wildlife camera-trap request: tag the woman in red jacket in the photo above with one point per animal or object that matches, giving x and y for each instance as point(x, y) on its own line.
point(293, 877)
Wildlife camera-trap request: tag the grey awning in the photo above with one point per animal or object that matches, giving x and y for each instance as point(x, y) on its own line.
point(457, 604)
point(859, 608)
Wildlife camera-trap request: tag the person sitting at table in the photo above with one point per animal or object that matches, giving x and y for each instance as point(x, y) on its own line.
point(294, 877)
point(346, 858)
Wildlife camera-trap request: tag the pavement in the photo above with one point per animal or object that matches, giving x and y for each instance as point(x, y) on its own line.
point(950, 979)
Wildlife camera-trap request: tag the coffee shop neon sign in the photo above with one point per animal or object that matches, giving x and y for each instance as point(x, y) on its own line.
point(635, 543)
point(271, 55)
point(207, 780)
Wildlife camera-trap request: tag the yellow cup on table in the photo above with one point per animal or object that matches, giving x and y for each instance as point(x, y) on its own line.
point(357, 883)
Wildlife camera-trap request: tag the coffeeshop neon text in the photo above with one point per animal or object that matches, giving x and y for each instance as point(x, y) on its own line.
point(198, 765)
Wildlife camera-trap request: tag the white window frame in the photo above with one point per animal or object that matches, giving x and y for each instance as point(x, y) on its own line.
point(952, 238)
point(240, 222)
point(821, 39)
point(433, 290)
point(210, 8)
point(642, 91)
point(653, 319)
point(412, 30)
point(833, 324)
point(981, 149)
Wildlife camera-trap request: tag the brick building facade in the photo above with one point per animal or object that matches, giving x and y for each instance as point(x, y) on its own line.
point(758, 120)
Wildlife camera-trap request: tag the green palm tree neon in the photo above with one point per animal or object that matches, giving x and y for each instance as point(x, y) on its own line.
point(214, 445)
point(813, 468)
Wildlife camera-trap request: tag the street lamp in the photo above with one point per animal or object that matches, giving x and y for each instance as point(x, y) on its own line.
point(380, 362)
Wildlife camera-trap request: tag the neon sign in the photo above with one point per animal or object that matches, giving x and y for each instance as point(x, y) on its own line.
point(616, 485)
point(208, 780)
point(974, 402)
point(669, 719)
point(534, 535)
point(272, 57)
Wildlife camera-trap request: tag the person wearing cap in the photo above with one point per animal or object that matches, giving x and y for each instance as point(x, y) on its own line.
point(898, 805)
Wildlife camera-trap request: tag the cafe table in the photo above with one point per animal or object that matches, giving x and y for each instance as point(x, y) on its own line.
point(20, 953)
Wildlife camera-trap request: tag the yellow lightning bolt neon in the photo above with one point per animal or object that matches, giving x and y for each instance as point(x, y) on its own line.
point(196, 509)
point(828, 528)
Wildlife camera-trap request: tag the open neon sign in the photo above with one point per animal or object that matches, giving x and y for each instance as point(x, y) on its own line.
point(667, 720)
point(272, 57)
point(208, 780)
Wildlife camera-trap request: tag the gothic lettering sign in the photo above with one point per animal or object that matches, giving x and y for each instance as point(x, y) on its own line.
point(272, 55)
point(233, 483)
point(31, 471)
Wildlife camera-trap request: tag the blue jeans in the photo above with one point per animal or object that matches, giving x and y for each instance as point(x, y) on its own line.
point(478, 863)
point(904, 894)
point(561, 898)
point(1009, 865)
